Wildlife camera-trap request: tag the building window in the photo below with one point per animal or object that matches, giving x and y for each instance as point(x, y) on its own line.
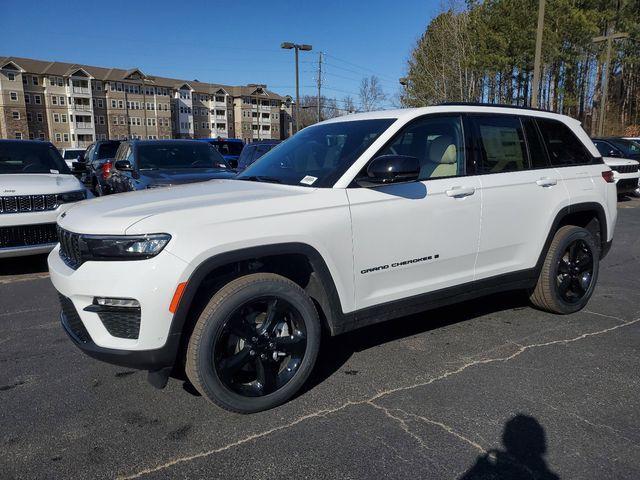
point(58, 137)
point(34, 79)
point(37, 99)
point(62, 100)
point(41, 135)
point(11, 76)
point(31, 136)
point(113, 104)
point(13, 96)
point(64, 118)
point(101, 120)
point(15, 115)
point(56, 118)
point(39, 117)
point(65, 137)
point(118, 86)
point(54, 100)
point(18, 135)
point(120, 103)
point(29, 117)
point(100, 103)
point(98, 86)
point(27, 98)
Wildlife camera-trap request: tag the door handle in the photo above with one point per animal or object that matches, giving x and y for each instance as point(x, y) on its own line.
point(546, 182)
point(458, 192)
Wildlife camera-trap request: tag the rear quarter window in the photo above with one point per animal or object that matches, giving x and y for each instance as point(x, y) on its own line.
point(565, 149)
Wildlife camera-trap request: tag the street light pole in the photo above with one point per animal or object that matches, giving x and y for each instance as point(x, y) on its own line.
point(296, 47)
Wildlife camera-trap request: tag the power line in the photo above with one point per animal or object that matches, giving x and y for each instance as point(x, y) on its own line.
point(360, 67)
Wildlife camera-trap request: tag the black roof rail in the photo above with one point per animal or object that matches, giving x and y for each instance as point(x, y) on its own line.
point(498, 105)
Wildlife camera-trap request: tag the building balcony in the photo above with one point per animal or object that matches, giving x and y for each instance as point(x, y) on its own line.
point(80, 107)
point(83, 90)
point(83, 127)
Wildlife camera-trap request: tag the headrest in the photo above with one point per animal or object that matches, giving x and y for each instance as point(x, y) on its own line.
point(443, 150)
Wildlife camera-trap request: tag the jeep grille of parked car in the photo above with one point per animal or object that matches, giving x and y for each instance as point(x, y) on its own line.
point(625, 168)
point(28, 203)
point(70, 248)
point(27, 235)
point(71, 320)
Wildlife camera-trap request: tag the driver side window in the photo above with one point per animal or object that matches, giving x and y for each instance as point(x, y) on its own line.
point(436, 141)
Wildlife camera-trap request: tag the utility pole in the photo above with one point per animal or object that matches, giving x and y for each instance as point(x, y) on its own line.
point(296, 47)
point(319, 83)
point(537, 60)
point(609, 38)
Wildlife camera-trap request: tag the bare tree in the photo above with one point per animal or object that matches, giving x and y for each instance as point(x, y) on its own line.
point(348, 104)
point(371, 93)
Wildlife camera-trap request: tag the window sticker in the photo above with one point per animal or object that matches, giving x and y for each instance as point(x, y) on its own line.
point(308, 180)
point(53, 171)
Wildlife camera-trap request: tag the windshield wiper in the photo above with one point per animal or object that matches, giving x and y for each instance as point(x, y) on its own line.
point(260, 178)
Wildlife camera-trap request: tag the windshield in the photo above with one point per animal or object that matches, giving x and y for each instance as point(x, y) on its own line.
point(187, 155)
point(318, 155)
point(107, 150)
point(627, 146)
point(30, 157)
point(228, 148)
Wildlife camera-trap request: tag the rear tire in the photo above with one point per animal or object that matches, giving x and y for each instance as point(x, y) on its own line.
point(255, 343)
point(569, 272)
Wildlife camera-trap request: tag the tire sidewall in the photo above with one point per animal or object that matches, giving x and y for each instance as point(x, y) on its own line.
point(214, 324)
point(576, 234)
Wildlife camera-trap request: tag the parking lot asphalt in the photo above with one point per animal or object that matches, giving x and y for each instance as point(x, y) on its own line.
point(485, 389)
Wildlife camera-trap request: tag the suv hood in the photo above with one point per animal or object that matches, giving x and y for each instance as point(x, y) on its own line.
point(219, 200)
point(176, 177)
point(37, 183)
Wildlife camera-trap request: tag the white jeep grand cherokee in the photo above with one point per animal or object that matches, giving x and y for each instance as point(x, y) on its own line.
point(350, 222)
point(35, 185)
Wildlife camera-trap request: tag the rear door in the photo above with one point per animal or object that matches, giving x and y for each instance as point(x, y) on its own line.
point(520, 192)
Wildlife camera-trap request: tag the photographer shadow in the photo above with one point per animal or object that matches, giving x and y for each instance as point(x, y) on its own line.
point(525, 445)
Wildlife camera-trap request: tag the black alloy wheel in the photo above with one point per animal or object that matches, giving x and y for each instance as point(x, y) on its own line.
point(575, 271)
point(261, 346)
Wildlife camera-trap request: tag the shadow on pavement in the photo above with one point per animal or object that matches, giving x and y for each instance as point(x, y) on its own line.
point(335, 351)
point(525, 445)
point(23, 265)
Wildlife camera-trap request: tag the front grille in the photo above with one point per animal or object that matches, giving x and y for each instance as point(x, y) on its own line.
point(121, 323)
point(625, 168)
point(627, 184)
point(28, 235)
point(28, 203)
point(71, 320)
point(70, 247)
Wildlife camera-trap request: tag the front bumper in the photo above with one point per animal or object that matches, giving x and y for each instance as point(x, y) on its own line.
point(151, 282)
point(626, 182)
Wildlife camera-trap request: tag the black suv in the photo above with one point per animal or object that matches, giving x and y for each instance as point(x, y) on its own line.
point(618, 148)
point(98, 159)
point(141, 164)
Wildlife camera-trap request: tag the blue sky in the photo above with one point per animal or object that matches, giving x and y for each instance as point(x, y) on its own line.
point(225, 42)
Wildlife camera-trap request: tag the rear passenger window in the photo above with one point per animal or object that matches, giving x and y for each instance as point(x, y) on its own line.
point(563, 146)
point(537, 155)
point(500, 143)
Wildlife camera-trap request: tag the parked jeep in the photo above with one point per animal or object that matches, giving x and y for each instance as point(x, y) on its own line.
point(352, 221)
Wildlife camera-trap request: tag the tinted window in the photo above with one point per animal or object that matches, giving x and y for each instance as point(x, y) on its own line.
point(169, 156)
point(107, 150)
point(605, 149)
point(71, 154)
point(537, 155)
point(500, 143)
point(246, 157)
point(30, 157)
point(228, 148)
point(436, 141)
point(319, 154)
point(628, 147)
point(563, 146)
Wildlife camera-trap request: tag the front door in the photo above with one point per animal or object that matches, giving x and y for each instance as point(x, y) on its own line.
point(422, 236)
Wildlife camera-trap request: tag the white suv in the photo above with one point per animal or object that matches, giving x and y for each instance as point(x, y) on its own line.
point(352, 221)
point(35, 185)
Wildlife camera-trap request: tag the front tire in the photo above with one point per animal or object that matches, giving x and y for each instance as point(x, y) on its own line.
point(569, 272)
point(255, 343)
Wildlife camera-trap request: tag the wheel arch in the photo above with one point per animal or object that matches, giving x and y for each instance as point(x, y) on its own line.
point(299, 262)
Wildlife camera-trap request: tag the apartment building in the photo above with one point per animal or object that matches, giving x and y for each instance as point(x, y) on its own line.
point(73, 105)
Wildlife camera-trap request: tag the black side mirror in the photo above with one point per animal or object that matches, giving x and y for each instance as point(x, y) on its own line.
point(615, 153)
point(393, 169)
point(124, 165)
point(78, 166)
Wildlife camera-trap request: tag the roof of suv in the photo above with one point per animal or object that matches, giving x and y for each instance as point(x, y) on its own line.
point(173, 141)
point(407, 113)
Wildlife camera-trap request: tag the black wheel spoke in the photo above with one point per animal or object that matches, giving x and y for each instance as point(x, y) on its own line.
point(575, 270)
point(563, 267)
point(573, 251)
point(266, 375)
point(242, 329)
point(564, 284)
point(270, 317)
point(291, 344)
point(230, 366)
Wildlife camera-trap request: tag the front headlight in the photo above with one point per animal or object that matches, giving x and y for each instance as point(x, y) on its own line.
point(69, 197)
point(126, 247)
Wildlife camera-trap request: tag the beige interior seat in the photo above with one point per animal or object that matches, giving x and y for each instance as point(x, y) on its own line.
point(441, 160)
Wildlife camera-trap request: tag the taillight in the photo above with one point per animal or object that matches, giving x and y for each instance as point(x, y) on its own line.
point(608, 176)
point(106, 170)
